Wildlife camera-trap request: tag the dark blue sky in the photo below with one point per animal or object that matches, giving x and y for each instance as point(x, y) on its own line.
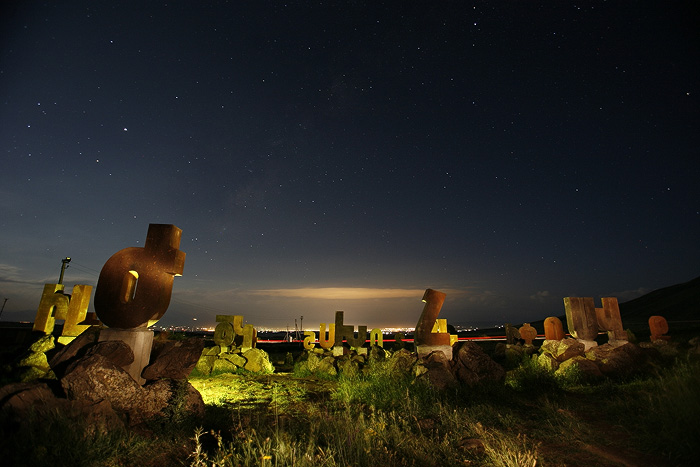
point(324, 156)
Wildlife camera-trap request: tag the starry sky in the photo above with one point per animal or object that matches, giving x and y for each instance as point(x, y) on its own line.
point(347, 155)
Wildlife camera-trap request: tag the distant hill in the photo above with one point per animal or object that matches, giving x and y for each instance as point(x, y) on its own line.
point(680, 302)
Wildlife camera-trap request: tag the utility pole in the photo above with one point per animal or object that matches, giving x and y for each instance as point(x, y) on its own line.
point(64, 265)
point(3, 306)
point(301, 324)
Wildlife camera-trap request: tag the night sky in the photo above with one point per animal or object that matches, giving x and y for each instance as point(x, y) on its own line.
point(323, 156)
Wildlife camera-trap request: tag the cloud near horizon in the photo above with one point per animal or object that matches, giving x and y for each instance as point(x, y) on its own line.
point(346, 293)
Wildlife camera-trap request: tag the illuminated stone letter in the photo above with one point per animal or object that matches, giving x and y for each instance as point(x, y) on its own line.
point(328, 342)
point(376, 337)
point(581, 319)
point(72, 309)
point(250, 337)
point(53, 304)
point(135, 284)
point(609, 320)
point(425, 339)
point(309, 339)
point(77, 312)
point(347, 332)
point(428, 319)
point(224, 333)
point(553, 329)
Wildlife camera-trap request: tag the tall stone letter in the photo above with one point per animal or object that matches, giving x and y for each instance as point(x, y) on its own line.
point(581, 319)
point(425, 339)
point(135, 284)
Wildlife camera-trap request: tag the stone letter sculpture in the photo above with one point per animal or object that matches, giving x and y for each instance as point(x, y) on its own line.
point(553, 329)
point(134, 290)
point(72, 309)
point(323, 341)
point(609, 320)
point(425, 339)
point(135, 284)
point(347, 332)
point(581, 319)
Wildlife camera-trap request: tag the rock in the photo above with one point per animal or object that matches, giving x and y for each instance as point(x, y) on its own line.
point(472, 445)
point(205, 363)
point(402, 360)
point(37, 360)
point(43, 344)
point(312, 361)
point(547, 361)
point(75, 349)
point(235, 358)
point(377, 353)
point(327, 367)
point(258, 361)
point(438, 374)
point(117, 352)
point(348, 368)
point(95, 378)
point(616, 360)
point(173, 359)
point(471, 365)
point(564, 349)
point(19, 399)
point(588, 369)
point(221, 365)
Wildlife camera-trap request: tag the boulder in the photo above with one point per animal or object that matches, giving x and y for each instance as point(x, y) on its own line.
point(312, 361)
point(563, 349)
point(438, 374)
point(222, 365)
point(173, 359)
point(547, 361)
point(43, 344)
point(471, 365)
point(39, 397)
point(117, 352)
point(37, 360)
point(95, 378)
point(235, 358)
point(75, 349)
point(205, 363)
point(348, 367)
point(588, 369)
point(18, 398)
point(258, 361)
point(402, 360)
point(616, 360)
point(327, 367)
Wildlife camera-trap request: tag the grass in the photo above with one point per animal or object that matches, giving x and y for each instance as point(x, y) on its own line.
point(380, 417)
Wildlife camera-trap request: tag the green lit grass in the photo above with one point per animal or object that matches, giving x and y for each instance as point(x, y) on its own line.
point(383, 418)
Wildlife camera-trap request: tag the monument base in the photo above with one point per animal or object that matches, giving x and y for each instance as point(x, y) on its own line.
point(140, 340)
point(424, 350)
point(587, 345)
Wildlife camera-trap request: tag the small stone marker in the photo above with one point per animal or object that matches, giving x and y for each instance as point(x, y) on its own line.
point(658, 327)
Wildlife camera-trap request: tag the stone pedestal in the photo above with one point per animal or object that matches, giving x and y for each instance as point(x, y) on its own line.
point(423, 350)
point(140, 340)
point(587, 344)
